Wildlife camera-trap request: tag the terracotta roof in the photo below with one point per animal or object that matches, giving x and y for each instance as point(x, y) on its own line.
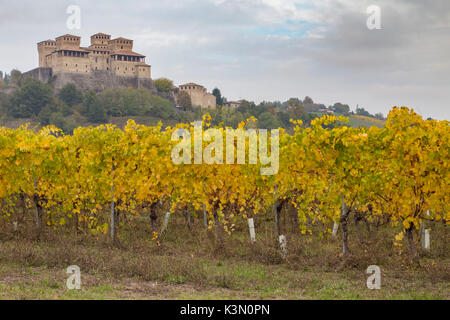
point(142, 65)
point(191, 84)
point(101, 34)
point(68, 35)
point(127, 53)
point(49, 40)
point(95, 47)
point(120, 38)
point(70, 49)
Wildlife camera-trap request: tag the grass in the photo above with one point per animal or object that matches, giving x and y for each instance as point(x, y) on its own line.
point(188, 266)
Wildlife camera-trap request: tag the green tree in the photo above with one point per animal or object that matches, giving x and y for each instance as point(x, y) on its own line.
point(57, 119)
point(163, 85)
point(284, 119)
point(296, 110)
point(267, 121)
point(93, 109)
point(219, 99)
point(379, 116)
point(16, 77)
point(184, 100)
point(160, 107)
point(362, 112)
point(30, 99)
point(341, 108)
point(308, 100)
point(44, 116)
point(71, 95)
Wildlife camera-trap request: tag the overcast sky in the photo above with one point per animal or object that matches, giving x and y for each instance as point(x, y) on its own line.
point(264, 49)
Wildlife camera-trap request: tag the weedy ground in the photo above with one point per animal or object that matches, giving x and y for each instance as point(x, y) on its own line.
point(188, 265)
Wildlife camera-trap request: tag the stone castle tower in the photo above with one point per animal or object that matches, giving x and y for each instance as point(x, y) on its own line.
point(199, 95)
point(106, 63)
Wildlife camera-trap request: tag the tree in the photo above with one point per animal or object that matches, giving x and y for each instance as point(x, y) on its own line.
point(93, 109)
point(160, 107)
point(284, 119)
point(30, 99)
point(71, 95)
point(218, 95)
point(44, 116)
point(379, 116)
point(295, 109)
point(308, 100)
point(163, 85)
point(341, 108)
point(184, 100)
point(362, 112)
point(267, 121)
point(247, 108)
point(16, 77)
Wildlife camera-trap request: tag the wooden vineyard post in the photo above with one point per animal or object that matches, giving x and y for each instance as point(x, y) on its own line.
point(344, 224)
point(205, 217)
point(275, 212)
point(37, 206)
point(112, 222)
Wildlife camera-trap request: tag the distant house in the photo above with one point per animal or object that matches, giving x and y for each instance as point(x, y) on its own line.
point(233, 104)
point(323, 109)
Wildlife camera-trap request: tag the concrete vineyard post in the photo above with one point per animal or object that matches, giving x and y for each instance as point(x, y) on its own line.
point(335, 229)
point(283, 246)
point(251, 228)
point(166, 222)
point(425, 236)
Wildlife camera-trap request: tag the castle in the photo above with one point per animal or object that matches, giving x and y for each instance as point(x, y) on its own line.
point(106, 63)
point(199, 95)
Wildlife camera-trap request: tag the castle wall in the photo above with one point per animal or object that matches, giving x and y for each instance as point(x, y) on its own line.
point(70, 64)
point(124, 68)
point(143, 71)
point(100, 80)
point(41, 74)
point(199, 97)
point(99, 61)
point(98, 67)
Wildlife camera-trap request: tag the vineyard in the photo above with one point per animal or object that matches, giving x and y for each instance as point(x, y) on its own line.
point(102, 180)
point(398, 174)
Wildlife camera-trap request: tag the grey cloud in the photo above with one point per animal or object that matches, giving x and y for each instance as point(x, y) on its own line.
point(212, 42)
